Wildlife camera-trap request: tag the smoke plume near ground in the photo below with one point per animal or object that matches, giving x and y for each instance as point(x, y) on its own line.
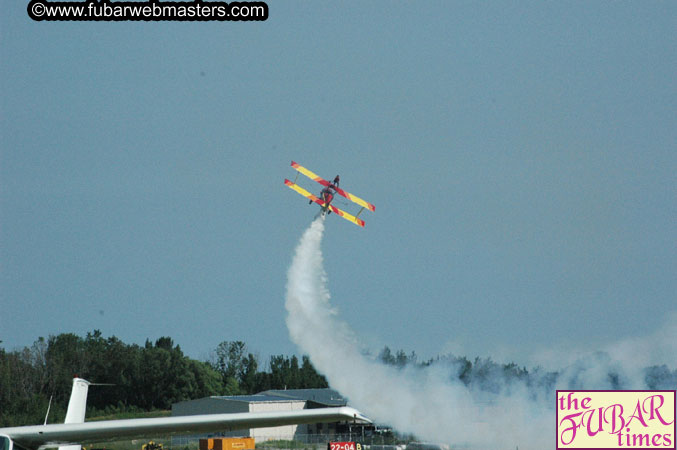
point(427, 403)
point(424, 403)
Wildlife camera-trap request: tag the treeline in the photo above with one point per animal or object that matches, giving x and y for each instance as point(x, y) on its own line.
point(595, 371)
point(141, 378)
point(155, 375)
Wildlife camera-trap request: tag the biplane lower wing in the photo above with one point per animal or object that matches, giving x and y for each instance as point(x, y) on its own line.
point(347, 216)
point(334, 209)
point(313, 176)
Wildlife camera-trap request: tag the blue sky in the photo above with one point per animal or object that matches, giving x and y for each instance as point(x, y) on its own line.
point(521, 157)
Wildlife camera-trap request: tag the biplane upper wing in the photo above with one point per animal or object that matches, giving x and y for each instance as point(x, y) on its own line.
point(323, 182)
point(338, 212)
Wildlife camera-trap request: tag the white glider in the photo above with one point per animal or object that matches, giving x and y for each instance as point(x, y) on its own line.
point(36, 437)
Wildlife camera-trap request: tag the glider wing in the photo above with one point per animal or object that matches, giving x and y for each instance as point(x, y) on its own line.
point(41, 436)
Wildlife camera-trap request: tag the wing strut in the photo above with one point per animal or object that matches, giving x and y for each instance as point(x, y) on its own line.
point(313, 176)
point(334, 209)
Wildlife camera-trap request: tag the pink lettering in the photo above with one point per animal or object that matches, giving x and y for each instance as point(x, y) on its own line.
point(590, 415)
point(654, 410)
point(637, 414)
point(572, 427)
point(653, 440)
point(617, 420)
point(572, 403)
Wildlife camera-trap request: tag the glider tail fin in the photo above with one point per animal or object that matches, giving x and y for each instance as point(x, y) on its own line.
point(76, 407)
point(78, 402)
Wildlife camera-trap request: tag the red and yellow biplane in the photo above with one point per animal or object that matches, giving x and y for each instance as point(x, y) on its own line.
point(327, 195)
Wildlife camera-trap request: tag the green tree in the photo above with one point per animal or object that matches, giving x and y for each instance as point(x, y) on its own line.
point(386, 356)
point(279, 370)
point(207, 380)
point(65, 358)
point(250, 380)
point(310, 378)
point(166, 375)
point(229, 361)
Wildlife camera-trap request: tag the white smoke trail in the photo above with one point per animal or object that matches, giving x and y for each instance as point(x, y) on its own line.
point(431, 404)
point(425, 403)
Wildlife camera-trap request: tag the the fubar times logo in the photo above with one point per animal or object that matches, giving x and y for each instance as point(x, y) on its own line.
point(616, 420)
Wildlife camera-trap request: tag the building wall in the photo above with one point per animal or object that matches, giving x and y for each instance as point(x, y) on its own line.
point(286, 432)
point(215, 405)
point(208, 405)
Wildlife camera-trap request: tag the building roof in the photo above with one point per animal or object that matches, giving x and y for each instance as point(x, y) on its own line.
point(321, 397)
point(256, 398)
point(315, 397)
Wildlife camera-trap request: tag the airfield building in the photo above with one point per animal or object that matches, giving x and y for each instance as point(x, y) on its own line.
point(272, 400)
